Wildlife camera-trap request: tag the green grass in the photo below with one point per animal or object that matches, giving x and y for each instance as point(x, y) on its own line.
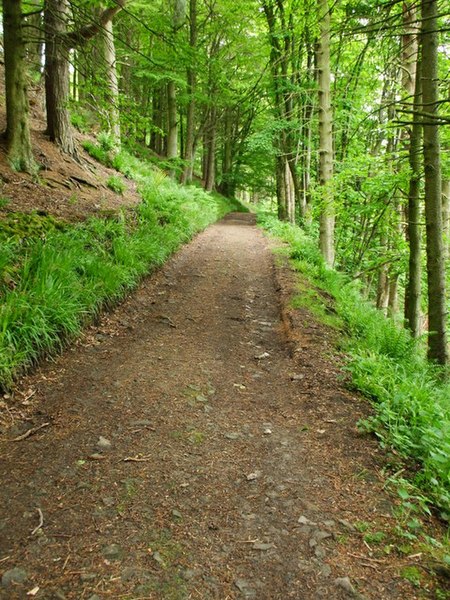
point(116, 184)
point(409, 395)
point(56, 280)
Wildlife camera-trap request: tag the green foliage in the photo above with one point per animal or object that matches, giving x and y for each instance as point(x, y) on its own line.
point(116, 184)
point(63, 277)
point(106, 142)
point(410, 397)
point(97, 152)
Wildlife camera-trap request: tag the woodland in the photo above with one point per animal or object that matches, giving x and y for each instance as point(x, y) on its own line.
point(331, 120)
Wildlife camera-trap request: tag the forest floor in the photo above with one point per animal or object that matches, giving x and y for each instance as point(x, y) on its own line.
point(198, 442)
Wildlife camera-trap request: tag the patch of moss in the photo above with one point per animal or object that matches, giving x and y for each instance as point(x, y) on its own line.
point(22, 226)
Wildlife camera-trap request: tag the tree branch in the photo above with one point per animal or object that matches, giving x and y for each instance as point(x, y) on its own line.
point(75, 38)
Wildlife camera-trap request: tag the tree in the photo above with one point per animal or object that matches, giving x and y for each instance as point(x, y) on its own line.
point(58, 43)
point(437, 312)
point(327, 215)
point(17, 132)
point(191, 81)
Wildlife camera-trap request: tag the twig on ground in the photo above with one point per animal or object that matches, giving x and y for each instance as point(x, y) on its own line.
point(137, 458)
point(41, 522)
point(30, 394)
point(375, 560)
point(3, 559)
point(27, 434)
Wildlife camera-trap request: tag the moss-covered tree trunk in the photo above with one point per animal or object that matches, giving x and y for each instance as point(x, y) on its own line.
point(437, 339)
point(17, 133)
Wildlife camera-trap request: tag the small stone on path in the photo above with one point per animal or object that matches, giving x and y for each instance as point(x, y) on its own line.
point(253, 476)
point(244, 586)
point(262, 546)
point(15, 575)
point(103, 443)
point(345, 584)
point(112, 552)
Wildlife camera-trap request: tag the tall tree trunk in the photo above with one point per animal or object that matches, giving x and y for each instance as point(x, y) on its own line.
point(59, 128)
point(172, 121)
point(227, 160)
point(156, 138)
point(189, 154)
point(446, 215)
point(210, 179)
point(327, 215)
point(18, 137)
point(437, 339)
point(414, 282)
point(112, 84)
point(290, 193)
point(281, 188)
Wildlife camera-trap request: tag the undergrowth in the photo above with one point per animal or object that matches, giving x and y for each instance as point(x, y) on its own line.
point(410, 396)
point(54, 279)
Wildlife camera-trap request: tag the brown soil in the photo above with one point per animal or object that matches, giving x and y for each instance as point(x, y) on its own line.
point(66, 188)
point(235, 468)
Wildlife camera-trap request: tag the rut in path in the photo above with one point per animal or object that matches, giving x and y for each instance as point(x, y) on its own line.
point(231, 471)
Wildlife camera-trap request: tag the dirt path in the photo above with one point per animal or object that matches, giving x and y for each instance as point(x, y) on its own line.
point(228, 468)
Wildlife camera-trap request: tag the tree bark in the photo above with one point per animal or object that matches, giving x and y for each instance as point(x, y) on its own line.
point(327, 215)
point(227, 159)
point(172, 121)
point(59, 127)
point(112, 83)
point(437, 338)
point(413, 288)
point(446, 216)
point(189, 154)
point(18, 139)
point(210, 165)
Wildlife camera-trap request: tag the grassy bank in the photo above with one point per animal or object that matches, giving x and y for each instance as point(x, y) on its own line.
point(55, 278)
point(411, 402)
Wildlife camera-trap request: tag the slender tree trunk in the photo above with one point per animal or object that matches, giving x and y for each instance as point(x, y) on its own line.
point(112, 83)
point(281, 188)
point(156, 139)
point(18, 138)
point(189, 154)
point(172, 121)
point(437, 339)
point(327, 216)
point(414, 282)
point(227, 160)
point(210, 179)
point(446, 215)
